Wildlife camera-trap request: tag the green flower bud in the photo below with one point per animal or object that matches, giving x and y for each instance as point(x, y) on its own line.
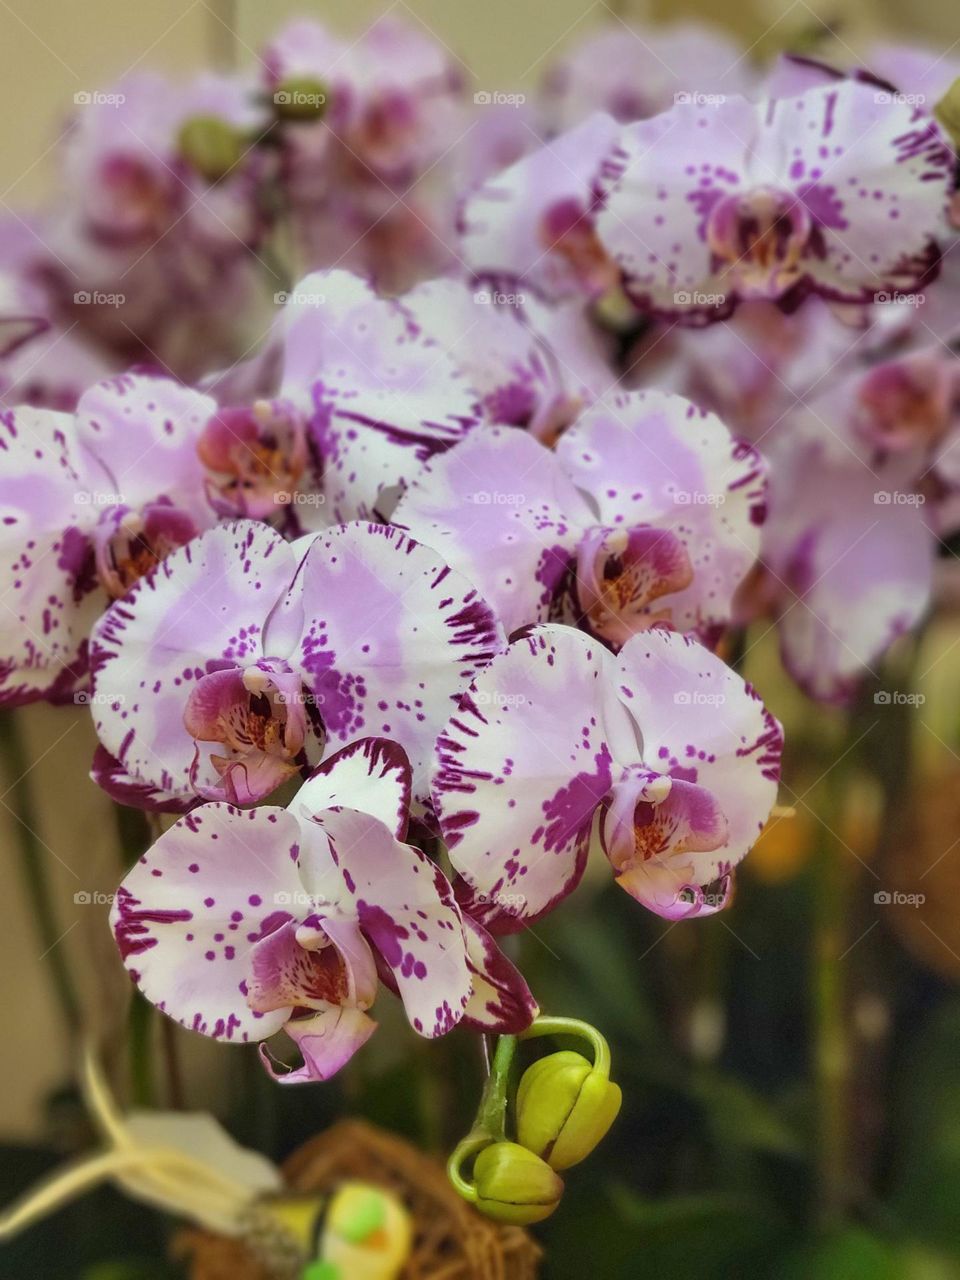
point(564, 1108)
point(211, 145)
point(513, 1185)
point(947, 112)
point(301, 98)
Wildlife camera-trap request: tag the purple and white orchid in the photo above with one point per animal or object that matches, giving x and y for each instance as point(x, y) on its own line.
point(91, 501)
point(240, 924)
point(647, 509)
point(678, 757)
point(839, 191)
point(244, 658)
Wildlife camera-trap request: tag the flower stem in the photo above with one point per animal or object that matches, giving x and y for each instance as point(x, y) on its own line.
point(134, 837)
point(33, 867)
point(831, 1050)
point(490, 1124)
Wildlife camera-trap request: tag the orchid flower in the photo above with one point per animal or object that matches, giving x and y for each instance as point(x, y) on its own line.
point(387, 384)
point(534, 225)
point(244, 657)
point(838, 191)
point(647, 504)
point(676, 754)
point(92, 502)
point(635, 72)
point(240, 924)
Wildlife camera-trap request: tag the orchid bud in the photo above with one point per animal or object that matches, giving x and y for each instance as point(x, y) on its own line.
point(210, 145)
point(301, 98)
point(564, 1108)
point(513, 1185)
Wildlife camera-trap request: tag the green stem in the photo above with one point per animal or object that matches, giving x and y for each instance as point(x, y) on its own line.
point(33, 864)
point(490, 1124)
point(573, 1027)
point(831, 1050)
point(134, 836)
point(140, 1025)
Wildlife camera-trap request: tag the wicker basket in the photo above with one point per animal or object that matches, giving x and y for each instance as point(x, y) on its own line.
point(451, 1241)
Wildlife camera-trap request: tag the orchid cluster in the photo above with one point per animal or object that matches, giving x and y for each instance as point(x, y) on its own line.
point(410, 592)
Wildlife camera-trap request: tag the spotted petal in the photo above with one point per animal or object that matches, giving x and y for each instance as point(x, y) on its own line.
point(701, 725)
point(48, 592)
point(500, 510)
point(371, 774)
point(144, 430)
point(521, 769)
point(384, 394)
point(650, 458)
point(407, 912)
point(512, 234)
point(392, 636)
point(188, 914)
point(205, 606)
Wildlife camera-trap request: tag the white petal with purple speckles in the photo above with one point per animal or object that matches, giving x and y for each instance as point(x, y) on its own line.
point(208, 603)
point(48, 591)
point(701, 723)
point(523, 765)
point(501, 511)
point(392, 636)
point(188, 914)
point(648, 457)
point(372, 775)
point(406, 910)
point(507, 235)
point(145, 431)
point(383, 394)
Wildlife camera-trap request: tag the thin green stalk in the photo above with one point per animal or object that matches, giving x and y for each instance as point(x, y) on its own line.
point(490, 1124)
point(134, 837)
point(33, 866)
point(831, 1049)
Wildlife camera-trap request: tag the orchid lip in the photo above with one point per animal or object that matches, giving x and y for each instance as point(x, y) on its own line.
point(621, 572)
point(256, 714)
point(760, 237)
point(255, 455)
point(128, 544)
